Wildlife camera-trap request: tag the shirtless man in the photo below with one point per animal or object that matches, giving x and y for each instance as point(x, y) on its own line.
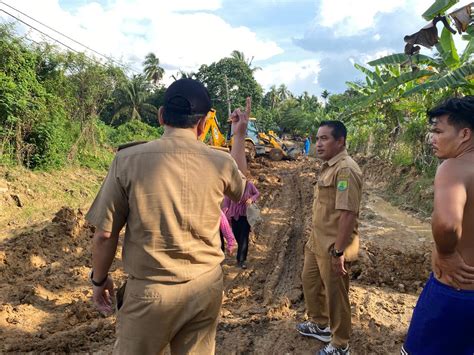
point(443, 319)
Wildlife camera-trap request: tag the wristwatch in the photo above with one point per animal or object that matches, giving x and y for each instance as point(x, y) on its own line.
point(336, 253)
point(97, 284)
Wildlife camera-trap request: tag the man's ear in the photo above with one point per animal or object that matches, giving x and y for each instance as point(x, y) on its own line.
point(466, 134)
point(160, 116)
point(341, 141)
point(200, 126)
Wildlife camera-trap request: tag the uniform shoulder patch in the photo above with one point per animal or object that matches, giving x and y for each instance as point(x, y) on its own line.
point(342, 185)
point(128, 145)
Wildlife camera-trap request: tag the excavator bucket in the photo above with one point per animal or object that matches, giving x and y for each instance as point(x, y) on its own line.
point(293, 153)
point(276, 154)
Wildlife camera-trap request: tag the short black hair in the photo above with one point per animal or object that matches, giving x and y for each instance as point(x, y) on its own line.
point(181, 121)
point(338, 129)
point(460, 112)
point(186, 102)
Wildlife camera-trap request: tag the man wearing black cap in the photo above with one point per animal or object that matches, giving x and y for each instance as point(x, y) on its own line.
point(168, 193)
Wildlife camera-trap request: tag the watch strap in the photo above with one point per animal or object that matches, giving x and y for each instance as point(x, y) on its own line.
point(100, 283)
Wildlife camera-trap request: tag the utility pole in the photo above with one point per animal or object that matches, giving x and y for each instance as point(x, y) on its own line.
point(227, 94)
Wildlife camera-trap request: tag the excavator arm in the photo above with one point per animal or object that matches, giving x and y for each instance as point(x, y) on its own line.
point(212, 133)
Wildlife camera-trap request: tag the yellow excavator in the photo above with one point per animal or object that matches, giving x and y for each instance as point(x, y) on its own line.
point(256, 142)
point(276, 148)
point(212, 134)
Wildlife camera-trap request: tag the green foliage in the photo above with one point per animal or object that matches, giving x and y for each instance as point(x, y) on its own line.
point(51, 139)
point(265, 119)
point(132, 101)
point(96, 152)
point(448, 50)
point(439, 7)
point(153, 71)
point(373, 76)
point(240, 84)
point(403, 155)
point(402, 58)
point(134, 131)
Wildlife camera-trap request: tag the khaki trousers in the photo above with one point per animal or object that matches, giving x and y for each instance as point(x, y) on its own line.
point(183, 315)
point(327, 296)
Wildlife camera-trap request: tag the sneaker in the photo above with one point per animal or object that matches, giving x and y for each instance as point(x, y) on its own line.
point(242, 265)
point(331, 350)
point(311, 329)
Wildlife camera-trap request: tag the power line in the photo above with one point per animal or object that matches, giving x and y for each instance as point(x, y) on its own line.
point(62, 34)
point(72, 39)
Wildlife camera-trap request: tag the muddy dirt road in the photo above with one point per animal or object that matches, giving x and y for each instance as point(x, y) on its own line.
point(45, 294)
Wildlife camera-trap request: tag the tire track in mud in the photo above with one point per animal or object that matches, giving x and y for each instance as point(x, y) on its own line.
point(285, 279)
point(257, 299)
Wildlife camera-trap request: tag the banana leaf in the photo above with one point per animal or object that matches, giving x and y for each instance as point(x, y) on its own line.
point(354, 86)
point(402, 79)
point(454, 79)
point(466, 55)
point(468, 51)
point(370, 74)
point(447, 49)
point(401, 58)
point(439, 7)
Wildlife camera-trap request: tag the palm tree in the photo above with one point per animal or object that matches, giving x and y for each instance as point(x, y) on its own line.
point(240, 56)
point(183, 75)
point(271, 98)
point(133, 104)
point(283, 93)
point(309, 102)
point(153, 71)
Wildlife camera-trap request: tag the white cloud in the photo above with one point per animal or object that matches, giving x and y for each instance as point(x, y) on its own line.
point(349, 19)
point(298, 76)
point(182, 33)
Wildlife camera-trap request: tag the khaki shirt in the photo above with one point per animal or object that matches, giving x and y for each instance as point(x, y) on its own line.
point(339, 188)
point(168, 192)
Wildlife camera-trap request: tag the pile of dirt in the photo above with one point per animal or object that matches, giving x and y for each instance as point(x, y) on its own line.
point(45, 291)
point(30, 198)
point(406, 271)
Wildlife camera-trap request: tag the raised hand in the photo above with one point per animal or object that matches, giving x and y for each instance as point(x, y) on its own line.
point(240, 119)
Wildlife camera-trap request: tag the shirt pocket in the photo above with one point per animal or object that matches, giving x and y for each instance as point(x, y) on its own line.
point(325, 190)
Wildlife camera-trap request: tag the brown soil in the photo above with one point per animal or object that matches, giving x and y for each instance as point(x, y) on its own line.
point(45, 296)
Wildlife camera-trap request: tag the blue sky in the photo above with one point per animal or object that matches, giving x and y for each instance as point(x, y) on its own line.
point(308, 45)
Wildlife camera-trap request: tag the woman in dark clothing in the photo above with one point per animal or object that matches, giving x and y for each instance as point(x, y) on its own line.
point(236, 212)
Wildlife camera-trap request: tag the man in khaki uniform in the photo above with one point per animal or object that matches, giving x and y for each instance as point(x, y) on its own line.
point(168, 194)
point(334, 241)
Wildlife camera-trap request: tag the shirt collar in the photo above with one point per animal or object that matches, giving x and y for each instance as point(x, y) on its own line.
point(336, 158)
point(179, 133)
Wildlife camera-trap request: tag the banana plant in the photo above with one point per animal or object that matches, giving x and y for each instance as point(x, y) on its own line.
point(438, 7)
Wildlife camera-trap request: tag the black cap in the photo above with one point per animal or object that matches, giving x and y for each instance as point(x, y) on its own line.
point(187, 97)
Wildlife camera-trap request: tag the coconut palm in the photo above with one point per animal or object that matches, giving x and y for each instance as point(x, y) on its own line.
point(152, 70)
point(183, 75)
point(133, 97)
point(240, 56)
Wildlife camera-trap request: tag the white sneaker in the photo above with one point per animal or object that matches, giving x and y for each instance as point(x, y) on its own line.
point(331, 350)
